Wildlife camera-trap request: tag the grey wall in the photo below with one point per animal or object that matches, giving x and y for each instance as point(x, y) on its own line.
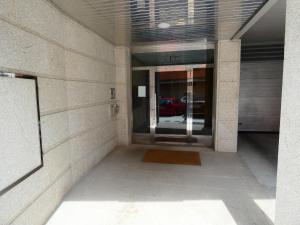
point(75, 70)
point(260, 96)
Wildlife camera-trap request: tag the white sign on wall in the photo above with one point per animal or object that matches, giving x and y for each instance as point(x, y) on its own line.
point(142, 92)
point(20, 149)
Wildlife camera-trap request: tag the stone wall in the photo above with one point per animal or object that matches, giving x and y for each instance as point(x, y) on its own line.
point(288, 175)
point(226, 86)
point(75, 70)
point(123, 82)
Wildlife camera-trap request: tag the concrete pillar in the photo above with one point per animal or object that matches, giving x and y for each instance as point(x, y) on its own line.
point(123, 94)
point(288, 177)
point(227, 83)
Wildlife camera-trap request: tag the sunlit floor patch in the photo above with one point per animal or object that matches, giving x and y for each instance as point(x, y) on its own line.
point(267, 206)
point(122, 190)
point(136, 213)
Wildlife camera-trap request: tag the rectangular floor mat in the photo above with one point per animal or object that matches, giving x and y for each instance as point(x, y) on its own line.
point(172, 157)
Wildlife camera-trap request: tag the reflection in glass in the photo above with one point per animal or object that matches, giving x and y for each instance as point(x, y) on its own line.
point(181, 103)
point(140, 101)
point(171, 102)
point(202, 101)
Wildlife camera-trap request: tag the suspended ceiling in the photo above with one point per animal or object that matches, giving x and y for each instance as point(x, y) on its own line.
point(138, 21)
point(270, 28)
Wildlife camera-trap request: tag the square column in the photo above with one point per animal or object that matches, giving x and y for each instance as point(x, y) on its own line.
point(123, 94)
point(288, 175)
point(226, 87)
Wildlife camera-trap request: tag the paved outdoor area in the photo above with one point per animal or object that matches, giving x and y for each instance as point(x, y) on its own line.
point(123, 190)
point(179, 122)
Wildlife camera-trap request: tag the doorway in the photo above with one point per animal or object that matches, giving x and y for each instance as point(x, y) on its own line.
point(173, 104)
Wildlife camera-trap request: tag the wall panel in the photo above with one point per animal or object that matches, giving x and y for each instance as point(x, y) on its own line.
point(260, 96)
point(75, 69)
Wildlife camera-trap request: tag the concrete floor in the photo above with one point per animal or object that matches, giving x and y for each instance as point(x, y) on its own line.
point(123, 190)
point(259, 151)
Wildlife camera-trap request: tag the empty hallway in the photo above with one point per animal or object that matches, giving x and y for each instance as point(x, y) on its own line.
point(124, 190)
point(167, 112)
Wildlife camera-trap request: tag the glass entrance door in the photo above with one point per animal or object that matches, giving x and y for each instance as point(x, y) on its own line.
point(140, 102)
point(202, 101)
point(171, 102)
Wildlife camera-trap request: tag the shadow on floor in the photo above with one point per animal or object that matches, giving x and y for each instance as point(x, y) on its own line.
point(259, 151)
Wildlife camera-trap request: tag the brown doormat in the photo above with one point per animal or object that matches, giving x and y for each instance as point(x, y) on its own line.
point(172, 157)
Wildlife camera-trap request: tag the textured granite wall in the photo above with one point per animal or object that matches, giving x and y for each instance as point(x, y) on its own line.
point(19, 130)
point(123, 82)
point(288, 177)
point(227, 84)
point(75, 70)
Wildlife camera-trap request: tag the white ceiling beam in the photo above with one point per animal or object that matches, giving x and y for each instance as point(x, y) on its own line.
point(254, 19)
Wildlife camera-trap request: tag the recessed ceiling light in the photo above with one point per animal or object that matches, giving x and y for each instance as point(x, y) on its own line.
point(164, 25)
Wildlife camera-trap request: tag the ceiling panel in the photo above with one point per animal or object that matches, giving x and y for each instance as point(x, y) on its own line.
point(262, 52)
point(139, 21)
point(270, 28)
point(173, 58)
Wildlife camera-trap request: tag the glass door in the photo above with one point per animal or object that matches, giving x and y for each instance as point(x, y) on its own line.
point(171, 102)
point(202, 101)
point(140, 101)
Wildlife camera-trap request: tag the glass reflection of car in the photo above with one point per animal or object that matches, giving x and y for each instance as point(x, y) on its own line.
point(196, 99)
point(171, 107)
point(198, 105)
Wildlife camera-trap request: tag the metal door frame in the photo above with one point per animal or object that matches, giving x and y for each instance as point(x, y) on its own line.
point(190, 74)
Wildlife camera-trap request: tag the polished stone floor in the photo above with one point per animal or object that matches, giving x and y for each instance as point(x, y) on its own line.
point(227, 189)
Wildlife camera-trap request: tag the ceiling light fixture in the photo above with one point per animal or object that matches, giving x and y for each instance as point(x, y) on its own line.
point(164, 25)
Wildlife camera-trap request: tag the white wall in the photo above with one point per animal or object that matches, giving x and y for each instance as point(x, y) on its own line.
point(260, 96)
point(75, 69)
point(288, 175)
point(18, 99)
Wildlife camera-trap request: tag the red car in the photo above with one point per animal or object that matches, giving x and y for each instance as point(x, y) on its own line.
point(171, 107)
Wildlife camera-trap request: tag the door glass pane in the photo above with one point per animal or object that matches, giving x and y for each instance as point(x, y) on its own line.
point(140, 101)
point(171, 102)
point(202, 101)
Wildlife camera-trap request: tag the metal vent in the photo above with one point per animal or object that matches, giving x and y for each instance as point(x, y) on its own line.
point(162, 20)
point(263, 52)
